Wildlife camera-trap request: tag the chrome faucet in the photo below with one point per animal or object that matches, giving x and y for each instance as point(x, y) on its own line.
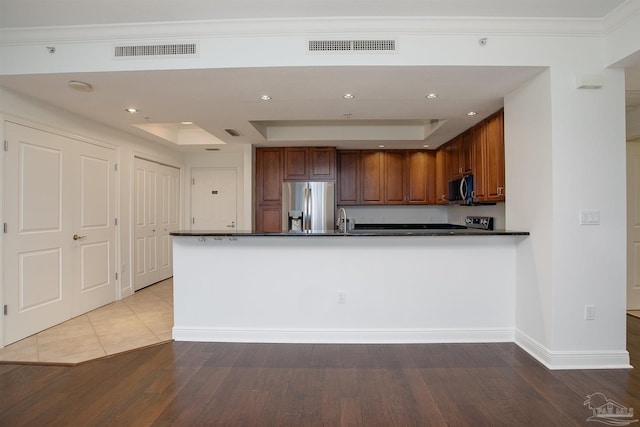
point(342, 224)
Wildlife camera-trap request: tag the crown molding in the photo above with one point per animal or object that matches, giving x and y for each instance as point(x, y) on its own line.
point(620, 16)
point(305, 27)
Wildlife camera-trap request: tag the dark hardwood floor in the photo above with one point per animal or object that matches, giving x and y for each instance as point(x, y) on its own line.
point(213, 384)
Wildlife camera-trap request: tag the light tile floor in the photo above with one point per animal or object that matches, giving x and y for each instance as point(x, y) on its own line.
point(142, 319)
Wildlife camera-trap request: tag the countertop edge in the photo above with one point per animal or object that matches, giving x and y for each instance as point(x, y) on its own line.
point(399, 233)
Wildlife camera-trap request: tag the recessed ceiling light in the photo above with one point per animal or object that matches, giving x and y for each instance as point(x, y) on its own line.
point(131, 110)
point(432, 96)
point(348, 96)
point(80, 86)
point(265, 97)
point(425, 146)
point(186, 123)
point(380, 146)
point(471, 113)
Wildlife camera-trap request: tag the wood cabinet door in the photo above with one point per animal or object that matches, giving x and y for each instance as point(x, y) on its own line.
point(479, 166)
point(454, 151)
point(494, 129)
point(466, 151)
point(295, 163)
point(348, 177)
point(269, 219)
point(394, 173)
point(322, 164)
point(421, 172)
point(269, 175)
point(442, 177)
point(372, 177)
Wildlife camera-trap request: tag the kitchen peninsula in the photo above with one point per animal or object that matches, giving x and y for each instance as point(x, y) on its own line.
point(364, 286)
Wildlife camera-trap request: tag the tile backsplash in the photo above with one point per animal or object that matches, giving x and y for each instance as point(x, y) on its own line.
point(424, 214)
point(397, 214)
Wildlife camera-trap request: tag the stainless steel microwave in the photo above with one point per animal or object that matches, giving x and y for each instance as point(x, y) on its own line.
point(461, 190)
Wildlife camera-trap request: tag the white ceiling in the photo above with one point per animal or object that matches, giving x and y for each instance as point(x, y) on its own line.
point(218, 99)
point(37, 13)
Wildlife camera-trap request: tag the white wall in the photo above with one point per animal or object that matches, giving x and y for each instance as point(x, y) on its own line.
point(528, 161)
point(589, 261)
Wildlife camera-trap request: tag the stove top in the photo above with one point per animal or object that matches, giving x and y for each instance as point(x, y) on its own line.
point(432, 226)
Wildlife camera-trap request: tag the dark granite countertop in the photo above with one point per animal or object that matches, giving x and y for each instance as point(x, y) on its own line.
point(355, 233)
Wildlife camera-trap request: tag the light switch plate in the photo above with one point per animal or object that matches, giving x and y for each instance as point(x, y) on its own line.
point(590, 217)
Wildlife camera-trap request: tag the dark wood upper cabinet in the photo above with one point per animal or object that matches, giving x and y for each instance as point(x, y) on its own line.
point(420, 177)
point(309, 163)
point(494, 137)
point(296, 163)
point(322, 164)
point(372, 177)
point(386, 177)
point(348, 177)
point(269, 175)
point(442, 177)
point(480, 151)
point(480, 165)
point(394, 174)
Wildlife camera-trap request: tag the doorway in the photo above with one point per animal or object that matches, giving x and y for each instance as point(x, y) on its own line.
point(633, 225)
point(213, 199)
point(156, 215)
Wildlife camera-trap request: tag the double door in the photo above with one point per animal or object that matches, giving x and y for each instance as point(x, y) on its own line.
point(59, 251)
point(156, 215)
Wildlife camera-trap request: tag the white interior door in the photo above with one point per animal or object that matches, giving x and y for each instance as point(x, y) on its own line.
point(156, 214)
point(633, 225)
point(169, 201)
point(48, 276)
point(213, 198)
point(94, 241)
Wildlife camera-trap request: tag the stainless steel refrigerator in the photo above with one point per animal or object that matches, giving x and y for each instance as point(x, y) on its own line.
point(308, 206)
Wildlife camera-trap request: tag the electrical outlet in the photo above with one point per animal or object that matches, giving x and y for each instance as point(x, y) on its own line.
point(589, 312)
point(342, 297)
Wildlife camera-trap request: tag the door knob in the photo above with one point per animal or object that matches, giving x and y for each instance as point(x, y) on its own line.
point(77, 237)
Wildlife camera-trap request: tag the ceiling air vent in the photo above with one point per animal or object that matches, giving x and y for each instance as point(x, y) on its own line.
point(352, 45)
point(159, 49)
point(233, 132)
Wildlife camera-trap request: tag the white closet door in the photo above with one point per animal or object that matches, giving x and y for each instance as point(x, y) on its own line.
point(48, 276)
point(156, 209)
point(169, 201)
point(94, 243)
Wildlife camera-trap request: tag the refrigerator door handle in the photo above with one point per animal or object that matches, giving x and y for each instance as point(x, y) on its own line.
point(305, 213)
point(309, 208)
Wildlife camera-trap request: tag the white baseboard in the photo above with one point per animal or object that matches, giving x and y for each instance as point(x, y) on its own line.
point(341, 336)
point(125, 292)
point(556, 360)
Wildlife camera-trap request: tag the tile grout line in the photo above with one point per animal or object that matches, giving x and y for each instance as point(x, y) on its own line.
point(37, 348)
point(145, 323)
point(104, 350)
